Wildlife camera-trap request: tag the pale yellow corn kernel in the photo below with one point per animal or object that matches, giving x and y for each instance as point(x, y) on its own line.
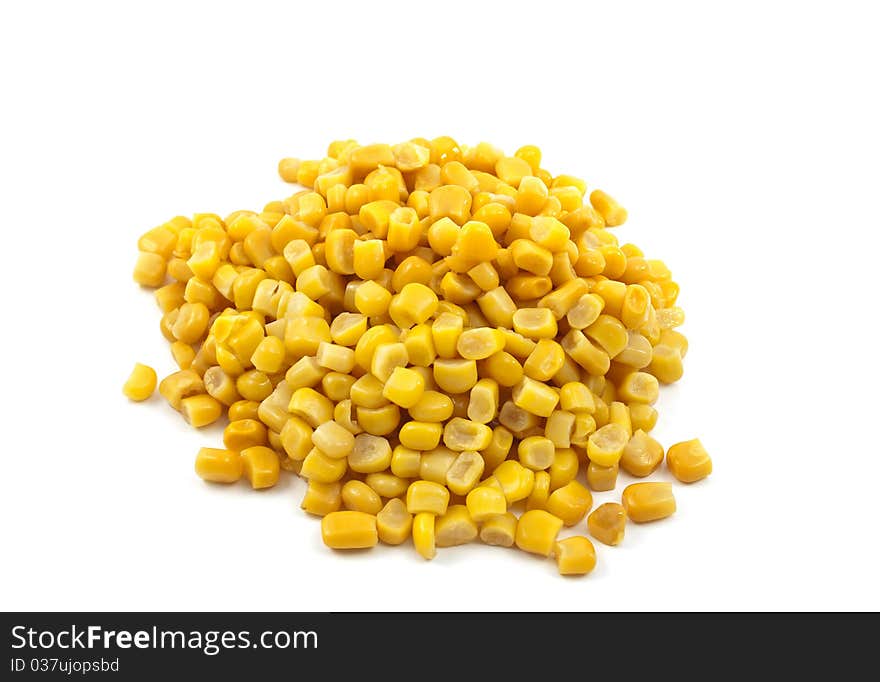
point(669, 318)
point(219, 466)
point(343, 414)
point(404, 387)
point(535, 323)
point(639, 387)
point(320, 467)
point(665, 363)
point(262, 467)
point(531, 195)
point(336, 358)
point(177, 269)
point(455, 376)
point(333, 439)
point(498, 307)
point(297, 304)
point(605, 446)
point(570, 502)
point(379, 421)
point(298, 254)
point(339, 251)
point(205, 260)
point(419, 343)
point(498, 448)
point(607, 523)
point(450, 201)
point(531, 257)
point(322, 498)
point(483, 503)
point(458, 288)
point(303, 335)
point(426, 497)
point(404, 229)
point(465, 472)
point(612, 213)
point(415, 304)
point(483, 403)
point(387, 485)
point(311, 406)
point(559, 427)
point(643, 416)
point(349, 530)
point(503, 368)
point(570, 198)
point(688, 461)
point(394, 522)
point(432, 407)
point(434, 464)
point(634, 309)
point(675, 339)
point(645, 502)
point(536, 452)
point(445, 331)
point(269, 355)
point(499, 530)
point(455, 527)
point(545, 360)
point(358, 496)
point(564, 468)
point(201, 410)
point(149, 270)
point(173, 295)
point(549, 233)
point(638, 351)
point(516, 480)
point(141, 383)
point(618, 413)
point(243, 409)
point(516, 419)
point(609, 333)
point(221, 386)
point(410, 156)
point(536, 531)
point(314, 282)
point(484, 275)
point(642, 455)
point(456, 173)
point(601, 478)
point(462, 434)
point(288, 169)
point(405, 462)
point(576, 397)
point(304, 373)
point(423, 527)
point(535, 397)
point(413, 268)
point(386, 358)
point(585, 311)
point(575, 555)
point(347, 328)
point(244, 433)
point(475, 243)
point(273, 410)
point(179, 385)
point(367, 392)
point(562, 299)
point(512, 169)
point(480, 343)
point(418, 435)
point(161, 240)
point(370, 454)
point(191, 322)
point(584, 353)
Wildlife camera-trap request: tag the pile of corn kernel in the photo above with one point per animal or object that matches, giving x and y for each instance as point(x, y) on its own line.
point(438, 338)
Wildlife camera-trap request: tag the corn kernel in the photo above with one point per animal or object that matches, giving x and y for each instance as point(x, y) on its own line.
point(499, 530)
point(639, 387)
point(426, 497)
point(605, 446)
point(536, 452)
point(244, 433)
point(219, 466)
point(261, 466)
point(535, 323)
point(575, 555)
point(358, 496)
point(423, 536)
point(536, 531)
point(645, 502)
point(688, 461)
point(200, 410)
point(370, 454)
point(480, 343)
point(420, 435)
point(403, 387)
point(535, 397)
point(570, 503)
point(516, 480)
point(349, 530)
point(463, 434)
point(394, 522)
point(607, 523)
point(141, 383)
point(322, 498)
point(665, 363)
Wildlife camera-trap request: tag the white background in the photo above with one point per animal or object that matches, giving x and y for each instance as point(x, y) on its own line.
point(743, 139)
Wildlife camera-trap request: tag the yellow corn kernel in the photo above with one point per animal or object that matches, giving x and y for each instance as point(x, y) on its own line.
point(674, 339)
point(516, 480)
point(191, 322)
point(503, 368)
point(179, 385)
point(305, 372)
point(540, 491)
point(576, 397)
point(609, 333)
point(483, 403)
point(559, 427)
point(372, 299)
point(221, 386)
point(347, 328)
point(319, 467)
point(333, 439)
point(612, 213)
point(418, 435)
point(426, 497)
point(432, 407)
point(605, 446)
point(261, 466)
point(618, 413)
point(219, 466)
point(349, 530)
point(642, 455)
point(564, 467)
point(607, 523)
point(363, 159)
point(549, 233)
point(688, 461)
point(465, 472)
point(415, 304)
point(273, 410)
point(419, 344)
point(322, 498)
point(455, 527)
point(445, 331)
point(172, 296)
point(518, 420)
point(484, 275)
point(387, 485)
point(528, 287)
point(601, 478)
point(311, 406)
point(411, 156)
point(423, 534)
point(379, 421)
point(570, 503)
point(367, 392)
point(386, 358)
point(450, 201)
point(535, 323)
point(200, 410)
point(336, 358)
point(535, 397)
point(298, 254)
point(149, 270)
point(269, 355)
point(498, 307)
point(531, 257)
point(585, 312)
point(545, 360)
point(483, 503)
point(532, 195)
point(243, 409)
point(665, 363)
point(575, 555)
point(645, 502)
point(358, 496)
point(244, 433)
point(578, 347)
point(498, 448)
point(370, 454)
point(536, 531)
point(669, 318)
point(475, 242)
point(434, 464)
point(394, 522)
point(288, 169)
point(442, 236)
point(638, 351)
point(499, 530)
point(480, 343)
point(634, 309)
point(536, 452)
point(455, 376)
point(405, 462)
point(462, 434)
point(643, 416)
point(141, 383)
point(303, 335)
point(639, 387)
point(403, 387)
